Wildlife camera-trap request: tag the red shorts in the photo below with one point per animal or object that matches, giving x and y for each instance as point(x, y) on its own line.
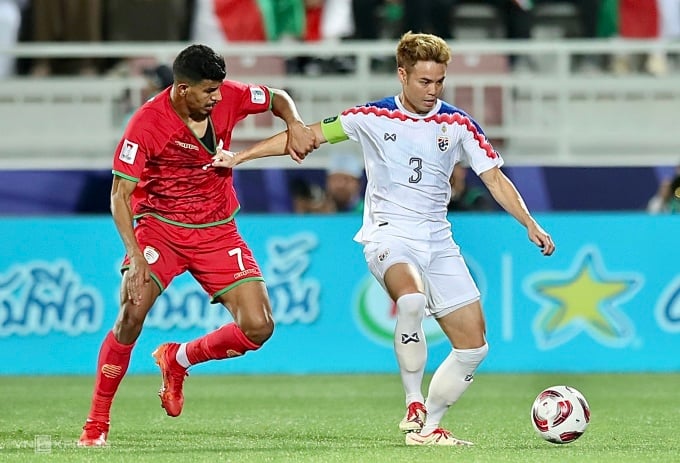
point(217, 257)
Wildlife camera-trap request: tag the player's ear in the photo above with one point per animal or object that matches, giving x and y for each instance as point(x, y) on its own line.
point(401, 72)
point(182, 88)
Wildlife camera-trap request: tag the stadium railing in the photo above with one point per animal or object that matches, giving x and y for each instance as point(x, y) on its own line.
point(548, 114)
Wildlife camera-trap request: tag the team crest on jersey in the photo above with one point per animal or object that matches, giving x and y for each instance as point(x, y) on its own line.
point(442, 143)
point(151, 254)
point(128, 152)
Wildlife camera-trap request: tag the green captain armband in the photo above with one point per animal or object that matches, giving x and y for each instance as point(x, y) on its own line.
point(332, 130)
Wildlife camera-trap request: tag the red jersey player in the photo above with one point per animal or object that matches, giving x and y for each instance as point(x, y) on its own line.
point(184, 214)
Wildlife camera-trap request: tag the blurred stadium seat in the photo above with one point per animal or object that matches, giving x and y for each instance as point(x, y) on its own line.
point(551, 116)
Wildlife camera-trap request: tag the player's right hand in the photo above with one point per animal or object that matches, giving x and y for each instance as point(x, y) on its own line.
point(137, 276)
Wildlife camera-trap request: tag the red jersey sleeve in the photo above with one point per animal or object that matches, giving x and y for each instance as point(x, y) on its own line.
point(254, 99)
point(133, 149)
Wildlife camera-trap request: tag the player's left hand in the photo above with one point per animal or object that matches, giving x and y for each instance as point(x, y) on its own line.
point(542, 239)
point(223, 159)
point(301, 141)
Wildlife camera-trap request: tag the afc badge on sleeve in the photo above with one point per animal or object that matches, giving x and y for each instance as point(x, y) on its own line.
point(257, 95)
point(128, 152)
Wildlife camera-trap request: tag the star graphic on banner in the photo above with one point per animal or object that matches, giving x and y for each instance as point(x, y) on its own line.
point(586, 298)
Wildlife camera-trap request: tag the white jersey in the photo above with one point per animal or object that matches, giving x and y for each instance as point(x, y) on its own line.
point(409, 159)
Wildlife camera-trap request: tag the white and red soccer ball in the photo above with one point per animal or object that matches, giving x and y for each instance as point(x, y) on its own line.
point(560, 414)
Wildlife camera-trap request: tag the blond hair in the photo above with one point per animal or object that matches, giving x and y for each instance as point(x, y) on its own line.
point(421, 47)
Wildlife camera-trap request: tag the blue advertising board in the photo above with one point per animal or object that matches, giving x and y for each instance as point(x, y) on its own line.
point(608, 300)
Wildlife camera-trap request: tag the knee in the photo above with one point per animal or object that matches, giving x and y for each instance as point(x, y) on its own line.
point(472, 357)
point(258, 330)
point(129, 324)
point(411, 306)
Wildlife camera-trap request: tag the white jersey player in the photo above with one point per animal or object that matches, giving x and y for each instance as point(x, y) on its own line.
point(409, 158)
point(411, 143)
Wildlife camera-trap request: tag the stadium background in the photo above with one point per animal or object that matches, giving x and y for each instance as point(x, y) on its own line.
point(587, 150)
point(608, 301)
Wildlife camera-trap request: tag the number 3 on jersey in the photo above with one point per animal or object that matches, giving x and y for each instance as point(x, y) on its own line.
point(417, 164)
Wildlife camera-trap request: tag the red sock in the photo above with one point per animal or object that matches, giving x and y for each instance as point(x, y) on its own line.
point(113, 362)
point(226, 341)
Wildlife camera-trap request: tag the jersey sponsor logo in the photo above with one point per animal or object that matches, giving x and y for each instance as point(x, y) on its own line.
point(128, 152)
point(257, 95)
point(244, 273)
point(390, 136)
point(328, 120)
point(442, 143)
point(187, 146)
point(151, 255)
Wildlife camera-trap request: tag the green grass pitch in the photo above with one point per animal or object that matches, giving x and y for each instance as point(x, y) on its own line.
point(349, 418)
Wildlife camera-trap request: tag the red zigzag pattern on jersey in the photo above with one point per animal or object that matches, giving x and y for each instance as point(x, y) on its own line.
point(456, 118)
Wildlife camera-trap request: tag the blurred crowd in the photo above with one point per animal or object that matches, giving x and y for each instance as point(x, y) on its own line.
point(667, 198)
point(216, 22)
point(343, 186)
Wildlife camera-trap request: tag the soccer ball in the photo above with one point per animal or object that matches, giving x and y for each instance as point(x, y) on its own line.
point(560, 414)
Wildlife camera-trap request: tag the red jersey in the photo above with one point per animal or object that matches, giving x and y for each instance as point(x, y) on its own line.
point(166, 158)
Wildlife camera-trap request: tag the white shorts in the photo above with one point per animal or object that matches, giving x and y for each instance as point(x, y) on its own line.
point(446, 278)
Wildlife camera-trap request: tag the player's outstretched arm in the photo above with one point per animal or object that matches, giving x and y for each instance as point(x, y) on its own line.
point(272, 146)
point(505, 194)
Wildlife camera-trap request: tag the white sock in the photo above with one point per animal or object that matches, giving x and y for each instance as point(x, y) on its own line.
point(409, 344)
point(181, 355)
point(449, 382)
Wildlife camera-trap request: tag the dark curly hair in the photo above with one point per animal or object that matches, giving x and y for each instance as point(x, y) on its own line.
point(198, 62)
